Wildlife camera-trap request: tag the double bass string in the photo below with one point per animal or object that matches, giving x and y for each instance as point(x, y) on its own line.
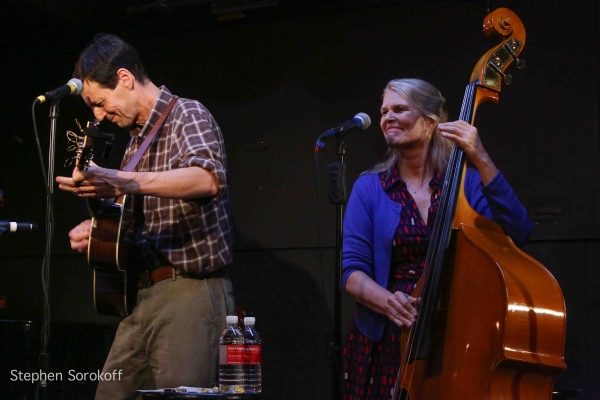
point(435, 254)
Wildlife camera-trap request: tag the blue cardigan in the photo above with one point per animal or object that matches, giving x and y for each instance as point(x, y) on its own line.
point(371, 219)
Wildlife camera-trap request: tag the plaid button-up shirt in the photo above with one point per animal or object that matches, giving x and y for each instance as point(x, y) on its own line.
point(195, 236)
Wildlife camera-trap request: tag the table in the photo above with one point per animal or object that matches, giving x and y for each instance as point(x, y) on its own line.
point(214, 396)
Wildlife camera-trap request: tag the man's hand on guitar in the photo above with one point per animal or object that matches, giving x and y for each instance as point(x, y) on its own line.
point(89, 183)
point(79, 236)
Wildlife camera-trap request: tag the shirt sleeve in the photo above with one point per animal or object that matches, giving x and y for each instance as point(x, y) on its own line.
point(199, 143)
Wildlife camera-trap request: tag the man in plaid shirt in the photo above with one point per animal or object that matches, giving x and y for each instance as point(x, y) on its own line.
point(180, 225)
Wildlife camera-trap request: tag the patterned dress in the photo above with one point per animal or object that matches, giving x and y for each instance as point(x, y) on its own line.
point(370, 368)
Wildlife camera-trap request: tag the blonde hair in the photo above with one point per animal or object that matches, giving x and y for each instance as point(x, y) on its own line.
point(427, 99)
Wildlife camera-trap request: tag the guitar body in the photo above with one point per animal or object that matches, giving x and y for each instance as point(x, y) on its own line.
point(114, 286)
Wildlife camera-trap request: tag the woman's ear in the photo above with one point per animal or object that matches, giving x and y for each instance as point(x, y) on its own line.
point(430, 125)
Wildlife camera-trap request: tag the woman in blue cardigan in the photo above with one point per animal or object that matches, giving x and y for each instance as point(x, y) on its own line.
point(389, 220)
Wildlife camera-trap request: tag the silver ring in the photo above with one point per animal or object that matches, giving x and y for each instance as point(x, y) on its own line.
point(80, 192)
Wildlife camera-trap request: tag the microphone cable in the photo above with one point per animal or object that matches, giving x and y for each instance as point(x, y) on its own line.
point(45, 273)
point(320, 243)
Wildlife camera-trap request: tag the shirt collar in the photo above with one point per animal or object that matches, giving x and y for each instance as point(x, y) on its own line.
point(436, 181)
point(164, 97)
point(391, 178)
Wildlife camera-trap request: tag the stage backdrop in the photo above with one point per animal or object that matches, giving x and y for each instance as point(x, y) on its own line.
point(274, 81)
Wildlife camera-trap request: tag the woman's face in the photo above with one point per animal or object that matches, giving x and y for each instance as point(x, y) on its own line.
point(402, 124)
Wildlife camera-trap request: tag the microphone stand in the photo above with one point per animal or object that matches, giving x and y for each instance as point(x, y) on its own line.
point(44, 357)
point(338, 197)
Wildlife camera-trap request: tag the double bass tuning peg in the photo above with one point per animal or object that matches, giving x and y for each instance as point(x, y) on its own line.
point(507, 77)
point(520, 62)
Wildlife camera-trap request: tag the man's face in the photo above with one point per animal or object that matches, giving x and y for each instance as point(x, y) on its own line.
point(117, 105)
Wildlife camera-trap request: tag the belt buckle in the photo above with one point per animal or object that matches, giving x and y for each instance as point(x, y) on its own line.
point(145, 280)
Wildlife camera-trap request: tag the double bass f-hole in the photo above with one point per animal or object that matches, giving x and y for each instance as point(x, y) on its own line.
point(491, 323)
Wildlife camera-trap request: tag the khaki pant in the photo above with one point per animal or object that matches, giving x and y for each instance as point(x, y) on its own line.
point(171, 338)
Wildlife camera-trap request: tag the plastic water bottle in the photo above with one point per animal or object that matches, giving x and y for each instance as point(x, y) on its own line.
point(253, 357)
point(231, 358)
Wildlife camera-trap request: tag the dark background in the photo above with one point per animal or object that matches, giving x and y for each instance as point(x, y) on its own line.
point(274, 80)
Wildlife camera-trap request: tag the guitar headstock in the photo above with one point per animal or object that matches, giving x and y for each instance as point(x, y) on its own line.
point(84, 145)
point(85, 153)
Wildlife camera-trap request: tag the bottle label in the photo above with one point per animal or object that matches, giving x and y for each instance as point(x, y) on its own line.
point(232, 354)
point(253, 354)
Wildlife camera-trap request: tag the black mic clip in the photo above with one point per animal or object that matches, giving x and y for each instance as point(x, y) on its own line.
point(337, 181)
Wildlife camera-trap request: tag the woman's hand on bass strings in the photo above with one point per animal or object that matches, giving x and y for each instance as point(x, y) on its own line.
point(400, 309)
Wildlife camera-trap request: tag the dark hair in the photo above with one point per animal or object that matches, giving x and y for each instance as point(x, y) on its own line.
point(100, 61)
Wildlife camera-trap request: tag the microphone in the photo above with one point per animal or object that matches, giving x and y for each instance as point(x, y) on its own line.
point(18, 227)
point(74, 86)
point(360, 121)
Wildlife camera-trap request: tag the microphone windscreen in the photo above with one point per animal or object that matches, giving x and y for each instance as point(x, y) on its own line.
point(365, 121)
point(78, 85)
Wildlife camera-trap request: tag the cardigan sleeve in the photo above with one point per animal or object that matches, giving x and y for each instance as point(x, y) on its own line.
point(498, 202)
point(358, 235)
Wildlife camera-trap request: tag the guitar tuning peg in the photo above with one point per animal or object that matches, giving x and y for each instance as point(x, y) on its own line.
point(507, 79)
point(78, 125)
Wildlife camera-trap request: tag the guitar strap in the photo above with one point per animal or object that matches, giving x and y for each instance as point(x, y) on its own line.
point(106, 203)
point(142, 149)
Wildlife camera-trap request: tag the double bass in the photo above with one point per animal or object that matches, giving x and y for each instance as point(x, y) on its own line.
point(492, 319)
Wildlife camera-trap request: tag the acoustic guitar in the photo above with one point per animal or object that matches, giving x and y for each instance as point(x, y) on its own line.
point(108, 254)
point(114, 285)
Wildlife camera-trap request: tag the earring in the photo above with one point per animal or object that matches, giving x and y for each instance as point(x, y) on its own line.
point(428, 135)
